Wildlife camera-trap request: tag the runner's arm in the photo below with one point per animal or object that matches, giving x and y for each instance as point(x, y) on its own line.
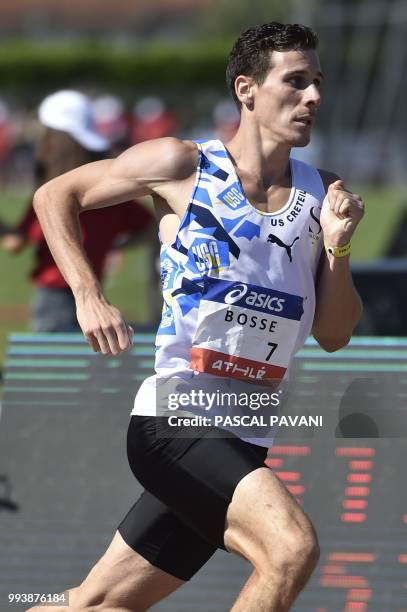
point(338, 305)
point(139, 171)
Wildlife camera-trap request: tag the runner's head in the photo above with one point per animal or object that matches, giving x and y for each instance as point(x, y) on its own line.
point(274, 76)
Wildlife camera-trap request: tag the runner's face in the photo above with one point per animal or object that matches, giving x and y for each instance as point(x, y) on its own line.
point(286, 102)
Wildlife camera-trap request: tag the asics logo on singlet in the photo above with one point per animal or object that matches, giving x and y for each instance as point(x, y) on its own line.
point(249, 298)
point(234, 296)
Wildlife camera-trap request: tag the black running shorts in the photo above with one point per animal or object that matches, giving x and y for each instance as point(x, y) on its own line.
point(179, 520)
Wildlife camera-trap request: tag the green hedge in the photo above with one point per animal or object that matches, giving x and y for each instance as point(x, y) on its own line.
point(33, 69)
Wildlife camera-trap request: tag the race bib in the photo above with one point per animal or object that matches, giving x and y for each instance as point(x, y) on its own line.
point(245, 331)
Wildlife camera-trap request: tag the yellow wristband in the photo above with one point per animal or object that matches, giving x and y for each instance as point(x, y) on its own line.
point(338, 251)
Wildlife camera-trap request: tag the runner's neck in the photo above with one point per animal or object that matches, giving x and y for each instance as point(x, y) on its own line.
point(264, 160)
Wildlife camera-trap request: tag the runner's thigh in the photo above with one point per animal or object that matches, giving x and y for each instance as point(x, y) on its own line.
point(264, 522)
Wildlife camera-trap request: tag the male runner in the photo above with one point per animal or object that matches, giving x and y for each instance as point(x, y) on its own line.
point(243, 232)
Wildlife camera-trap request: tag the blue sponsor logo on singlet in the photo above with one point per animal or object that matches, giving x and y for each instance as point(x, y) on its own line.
point(210, 254)
point(167, 325)
point(232, 196)
point(253, 297)
point(168, 271)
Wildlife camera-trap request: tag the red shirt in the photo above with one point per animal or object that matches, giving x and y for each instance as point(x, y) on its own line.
point(100, 229)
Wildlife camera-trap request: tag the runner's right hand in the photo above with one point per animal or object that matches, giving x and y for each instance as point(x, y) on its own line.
point(103, 325)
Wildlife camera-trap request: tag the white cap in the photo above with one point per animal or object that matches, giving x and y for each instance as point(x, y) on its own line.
point(71, 111)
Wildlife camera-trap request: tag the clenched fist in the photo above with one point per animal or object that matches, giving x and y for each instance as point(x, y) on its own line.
point(340, 214)
point(102, 324)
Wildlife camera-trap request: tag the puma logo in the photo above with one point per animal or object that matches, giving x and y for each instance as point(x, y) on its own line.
point(276, 240)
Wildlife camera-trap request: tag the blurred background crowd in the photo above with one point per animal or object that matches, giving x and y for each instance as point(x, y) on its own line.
point(156, 69)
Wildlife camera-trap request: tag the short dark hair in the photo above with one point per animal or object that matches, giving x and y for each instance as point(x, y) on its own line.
point(251, 55)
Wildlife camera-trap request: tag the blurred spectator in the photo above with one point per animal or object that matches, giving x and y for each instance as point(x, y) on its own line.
point(112, 121)
point(5, 141)
point(226, 119)
point(151, 120)
point(69, 140)
point(4, 229)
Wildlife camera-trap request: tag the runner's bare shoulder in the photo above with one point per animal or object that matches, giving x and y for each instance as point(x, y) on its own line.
point(158, 161)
